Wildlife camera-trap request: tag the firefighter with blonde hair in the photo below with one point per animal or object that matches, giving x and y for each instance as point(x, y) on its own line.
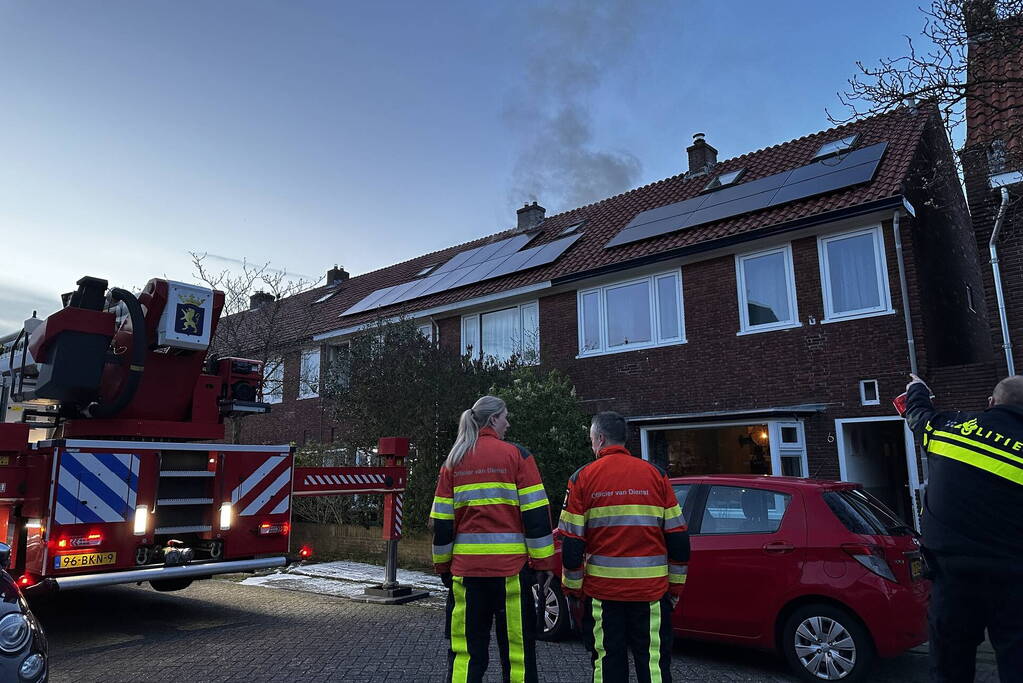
point(492, 541)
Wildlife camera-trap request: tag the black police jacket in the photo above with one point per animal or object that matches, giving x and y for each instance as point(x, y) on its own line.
point(972, 512)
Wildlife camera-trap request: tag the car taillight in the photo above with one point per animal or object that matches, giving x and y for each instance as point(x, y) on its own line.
point(274, 528)
point(871, 557)
point(306, 552)
point(25, 581)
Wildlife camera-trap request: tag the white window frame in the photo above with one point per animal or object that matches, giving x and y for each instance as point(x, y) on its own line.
point(787, 449)
point(308, 387)
point(521, 310)
point(876, 401)
point(659, 338)
point(274, 376)
point(778, 450)
point(881, 269)
point(790, 282)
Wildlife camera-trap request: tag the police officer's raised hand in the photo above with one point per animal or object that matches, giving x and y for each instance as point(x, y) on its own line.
point(914, 379)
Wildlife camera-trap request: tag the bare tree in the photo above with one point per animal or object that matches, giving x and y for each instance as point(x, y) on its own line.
point(256, 322)
point(970, 66)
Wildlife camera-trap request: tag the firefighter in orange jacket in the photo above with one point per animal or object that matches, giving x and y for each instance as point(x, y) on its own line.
point(491, 534)
point(625, 549)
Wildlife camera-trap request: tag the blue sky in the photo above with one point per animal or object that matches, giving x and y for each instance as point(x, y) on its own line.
point(311, 133)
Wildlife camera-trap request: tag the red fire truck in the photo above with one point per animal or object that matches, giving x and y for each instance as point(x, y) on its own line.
point(131, 482)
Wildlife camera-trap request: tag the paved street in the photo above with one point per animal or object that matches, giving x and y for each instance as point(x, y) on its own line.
point(223, 631)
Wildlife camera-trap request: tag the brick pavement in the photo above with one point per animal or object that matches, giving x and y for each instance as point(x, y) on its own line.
point(222, 631)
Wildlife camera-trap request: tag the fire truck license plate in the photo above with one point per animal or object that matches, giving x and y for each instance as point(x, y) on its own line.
point(83, 560)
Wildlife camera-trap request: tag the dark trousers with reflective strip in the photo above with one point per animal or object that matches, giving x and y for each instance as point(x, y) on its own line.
point(475, 603)
point(611, 629)
point(962, 606)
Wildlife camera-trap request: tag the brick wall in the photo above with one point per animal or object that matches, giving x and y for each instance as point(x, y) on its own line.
point(718, 370)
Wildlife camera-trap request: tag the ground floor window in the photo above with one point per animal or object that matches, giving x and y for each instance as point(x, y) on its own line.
point(771, 447)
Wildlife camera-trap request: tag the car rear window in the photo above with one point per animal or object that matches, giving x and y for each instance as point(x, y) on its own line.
point(681, 493)
point(862, 513)
point(735, 510)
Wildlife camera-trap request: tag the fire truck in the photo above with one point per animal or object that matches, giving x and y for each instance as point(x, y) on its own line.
point(113, 467)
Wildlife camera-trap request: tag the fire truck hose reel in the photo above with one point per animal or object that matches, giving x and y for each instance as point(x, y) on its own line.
point(139, 348)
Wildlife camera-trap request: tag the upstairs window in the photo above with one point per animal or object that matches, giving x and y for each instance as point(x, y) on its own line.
point(338, 363)
point(629, 315)
point(854, 275)
point(273, 380)
point(767, 290)
point(309, 374)
point(427, 270)
point(835, 147)
point(501, 334)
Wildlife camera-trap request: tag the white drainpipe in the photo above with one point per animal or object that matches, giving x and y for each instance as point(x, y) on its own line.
point(910, 341)
point(999, 294)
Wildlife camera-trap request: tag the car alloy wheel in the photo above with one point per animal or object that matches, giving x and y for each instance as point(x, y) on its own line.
point(551, 608)
point(825, 648)
point(554, 612)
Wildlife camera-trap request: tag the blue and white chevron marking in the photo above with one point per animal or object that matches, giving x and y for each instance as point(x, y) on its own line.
point(96, 487)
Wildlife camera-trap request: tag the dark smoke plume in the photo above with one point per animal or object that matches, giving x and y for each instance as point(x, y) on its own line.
point(572, 47)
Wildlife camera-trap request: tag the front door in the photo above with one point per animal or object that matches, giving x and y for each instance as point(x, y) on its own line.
point(875, 455)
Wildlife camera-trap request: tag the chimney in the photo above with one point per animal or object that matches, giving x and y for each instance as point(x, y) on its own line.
point(260, 298)
point(701, 155)
point(530, 216)
point(336, 275)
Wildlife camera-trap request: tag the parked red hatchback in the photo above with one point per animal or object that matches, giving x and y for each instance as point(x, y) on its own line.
point(820, 571)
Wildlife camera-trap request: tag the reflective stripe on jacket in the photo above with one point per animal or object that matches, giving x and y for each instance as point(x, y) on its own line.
point(491, 514)
point(975, 482)
point(621, 514)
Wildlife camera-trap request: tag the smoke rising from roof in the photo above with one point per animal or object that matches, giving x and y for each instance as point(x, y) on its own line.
point(573, 46)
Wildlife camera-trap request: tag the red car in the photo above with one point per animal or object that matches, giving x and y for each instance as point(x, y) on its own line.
point(820, 571)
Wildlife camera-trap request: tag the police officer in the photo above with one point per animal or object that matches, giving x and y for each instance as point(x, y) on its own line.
point(626, 551)
point(491, 537)
point(973, 529)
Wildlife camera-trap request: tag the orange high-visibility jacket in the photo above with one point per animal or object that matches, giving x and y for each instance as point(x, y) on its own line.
point(490, 514)
point(622, 517)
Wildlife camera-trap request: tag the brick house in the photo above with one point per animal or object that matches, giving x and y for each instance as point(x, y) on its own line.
point(992, 160)
point(755, 314)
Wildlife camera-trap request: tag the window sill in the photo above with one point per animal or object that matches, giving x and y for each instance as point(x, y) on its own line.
point(302, 398)
point(773, 328)
point(597, 354)
point(857, 316)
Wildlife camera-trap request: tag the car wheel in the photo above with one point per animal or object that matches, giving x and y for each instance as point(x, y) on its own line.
point(826, 643)
point(166, 585)
point(552, 612)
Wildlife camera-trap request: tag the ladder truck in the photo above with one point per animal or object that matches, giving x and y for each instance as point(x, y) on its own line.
point(113, 467)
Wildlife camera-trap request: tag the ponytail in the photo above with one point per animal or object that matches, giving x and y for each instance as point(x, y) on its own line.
point(469, 425)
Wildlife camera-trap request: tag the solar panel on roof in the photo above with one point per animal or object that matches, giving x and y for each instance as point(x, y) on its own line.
point(366, 301)
point(826, 175)
point(466, 272)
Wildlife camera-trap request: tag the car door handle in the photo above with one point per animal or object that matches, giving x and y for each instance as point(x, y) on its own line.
point(778, 547)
